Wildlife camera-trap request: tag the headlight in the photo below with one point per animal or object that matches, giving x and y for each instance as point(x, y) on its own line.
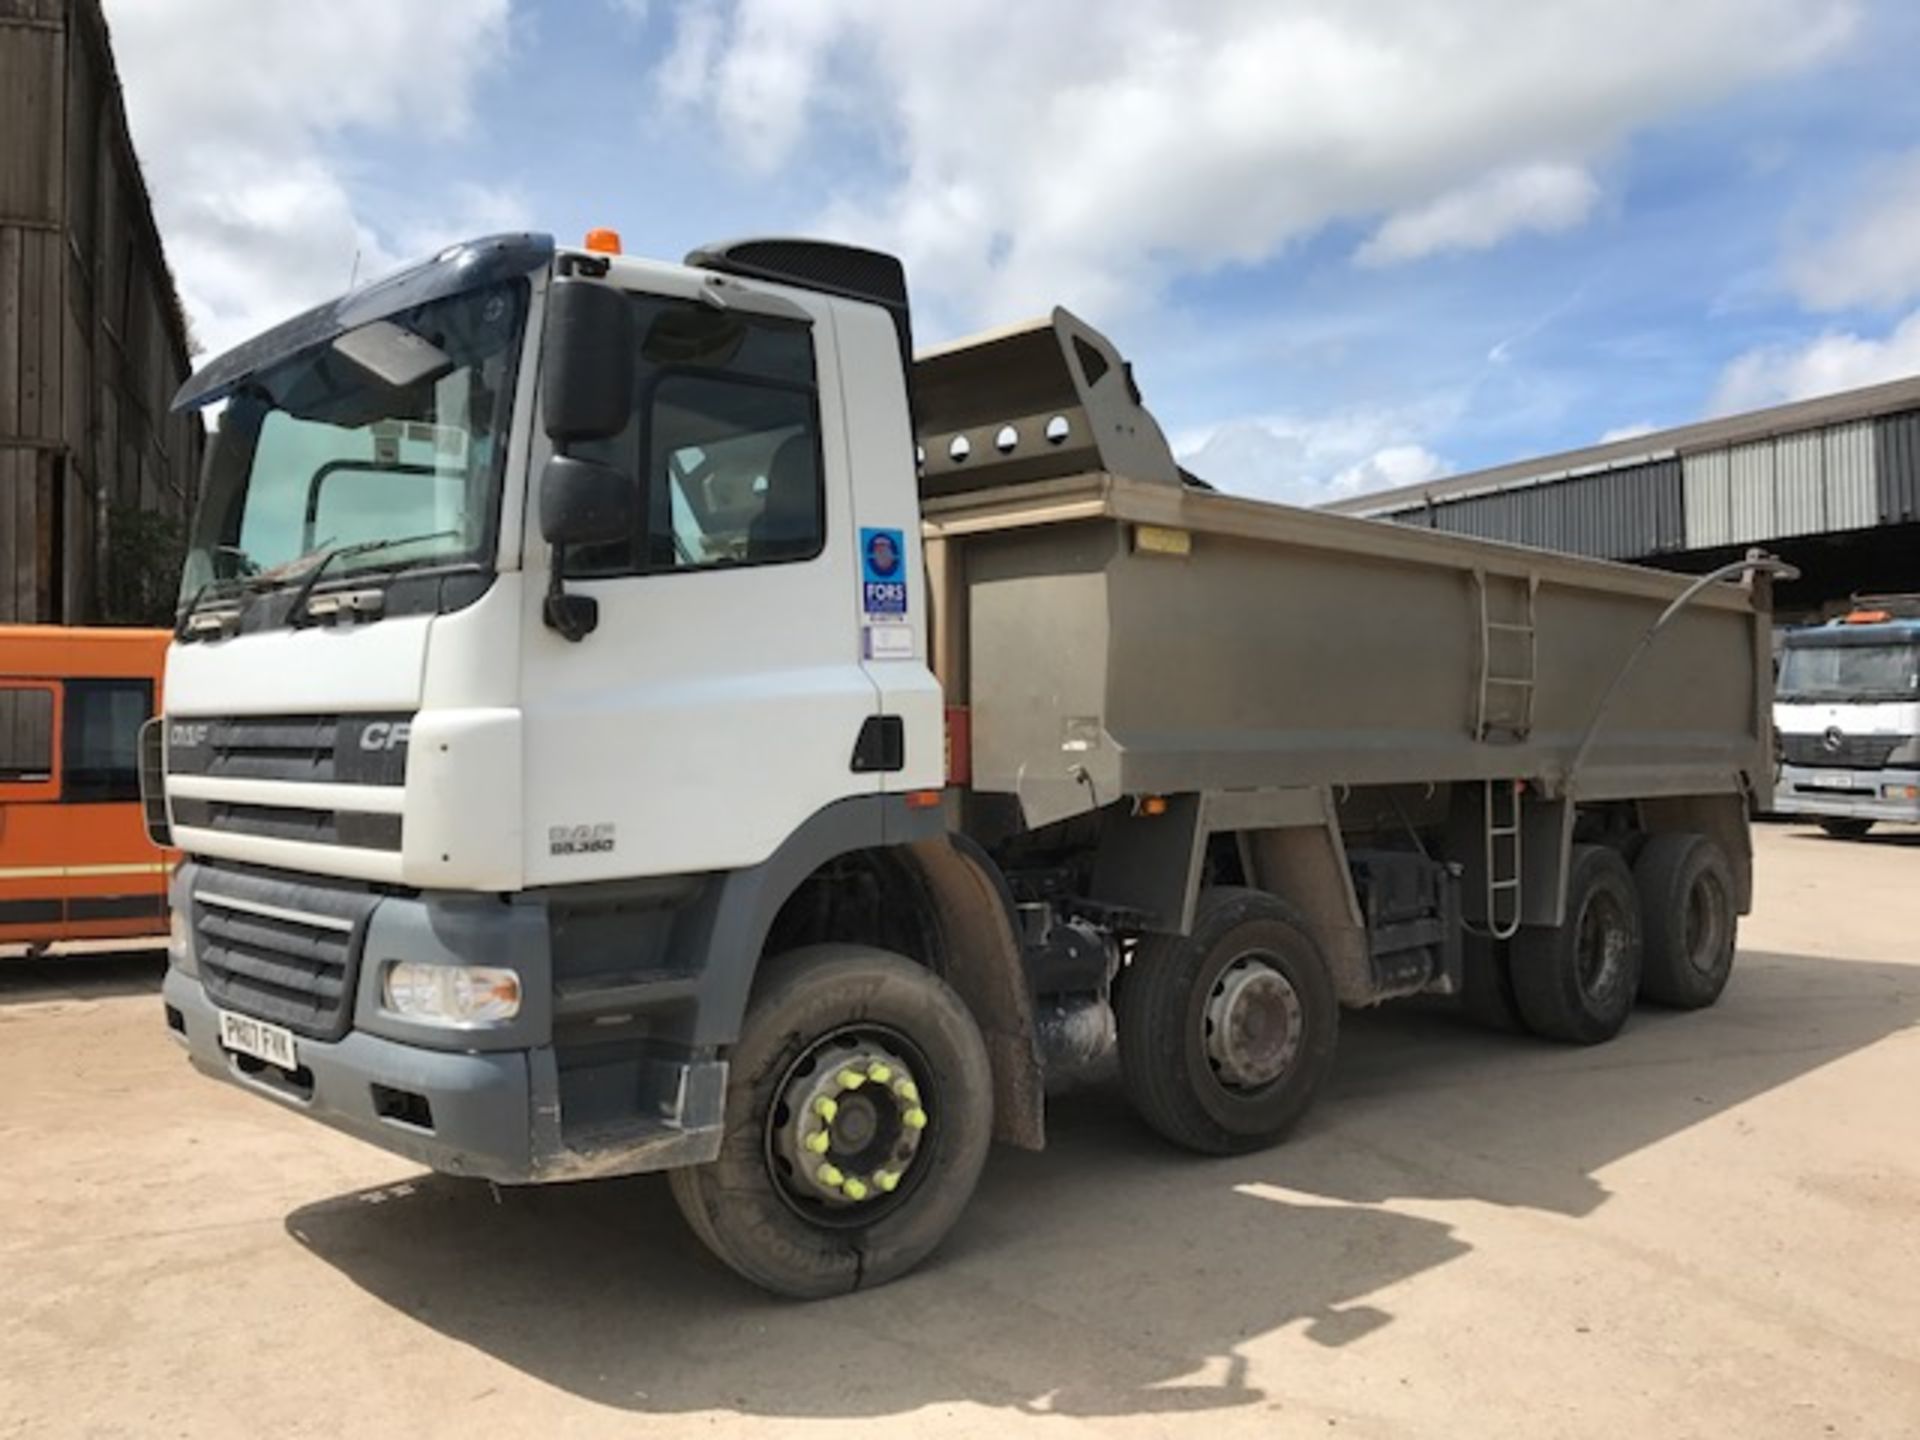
point(176, 935)
point(460, 995)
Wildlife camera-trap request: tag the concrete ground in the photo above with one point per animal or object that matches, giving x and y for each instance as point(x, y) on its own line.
point(1708, 1228)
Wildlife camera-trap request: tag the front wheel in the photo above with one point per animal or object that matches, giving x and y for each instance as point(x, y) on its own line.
point(1227, 1033)
point(1846, 829)
point(859, 1110)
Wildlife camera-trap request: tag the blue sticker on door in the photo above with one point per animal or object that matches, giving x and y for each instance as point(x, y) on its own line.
point(883, 572)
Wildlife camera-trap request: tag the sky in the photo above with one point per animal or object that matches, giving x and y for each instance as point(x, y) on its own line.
point(1345, 245)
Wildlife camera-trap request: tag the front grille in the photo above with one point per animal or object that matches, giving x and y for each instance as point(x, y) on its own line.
point(303, 749)
point(1849, 752)
point(321, 749)
point(357, 829)
point(280, 949)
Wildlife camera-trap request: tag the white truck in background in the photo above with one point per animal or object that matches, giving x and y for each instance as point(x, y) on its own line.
point(1846, 718)
point(600, 744)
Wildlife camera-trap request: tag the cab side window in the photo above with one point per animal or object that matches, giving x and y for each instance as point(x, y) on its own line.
point(100, 739)
point(723, 445)
point(26, 735)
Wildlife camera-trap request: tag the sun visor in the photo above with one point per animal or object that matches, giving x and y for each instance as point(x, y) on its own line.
point(469, 265)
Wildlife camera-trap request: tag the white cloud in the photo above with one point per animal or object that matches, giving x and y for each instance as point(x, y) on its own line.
point(235, 109)
point(1064, 160)
point(1871, 254)
point(1837, 360)
point(1627, 432)
point(1543, 198)
point(1389, 468)
point(1307, 461)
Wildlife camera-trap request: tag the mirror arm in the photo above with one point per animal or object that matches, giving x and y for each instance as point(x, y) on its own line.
point(574, 616)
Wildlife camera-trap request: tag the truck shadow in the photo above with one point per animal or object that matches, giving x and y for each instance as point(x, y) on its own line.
point(1105, 1277)
point(86, 975)
point(1110, 1275)
point(1425, 1106)
point(1900, 838)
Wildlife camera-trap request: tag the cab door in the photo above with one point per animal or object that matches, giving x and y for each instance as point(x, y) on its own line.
point(717, 704)
point(31, 858)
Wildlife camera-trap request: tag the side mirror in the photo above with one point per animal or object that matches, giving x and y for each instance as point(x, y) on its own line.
point(586, 376)
point(583, 501)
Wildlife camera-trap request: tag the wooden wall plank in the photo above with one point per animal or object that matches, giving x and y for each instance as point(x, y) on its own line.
point(33, 305)
point(53, 284)
point(30, 119)
point(26, 537)
point(10, 244)
point(8, 455)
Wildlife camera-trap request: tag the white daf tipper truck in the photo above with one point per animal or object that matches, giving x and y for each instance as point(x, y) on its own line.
point(600, 743)
point(1847, 718)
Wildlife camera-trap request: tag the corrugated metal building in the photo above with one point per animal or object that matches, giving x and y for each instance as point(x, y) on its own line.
point(96, 480)
point(1841, 463)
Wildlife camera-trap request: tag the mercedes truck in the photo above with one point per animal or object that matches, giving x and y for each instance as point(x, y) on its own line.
point(1847, 716)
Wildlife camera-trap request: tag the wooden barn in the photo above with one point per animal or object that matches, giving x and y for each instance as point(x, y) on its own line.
point(97, 480)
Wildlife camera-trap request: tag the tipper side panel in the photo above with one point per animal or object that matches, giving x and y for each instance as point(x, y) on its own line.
point(1100, 669)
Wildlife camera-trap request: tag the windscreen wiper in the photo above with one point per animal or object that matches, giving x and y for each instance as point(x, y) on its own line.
point(297, 615)
point(248, 571)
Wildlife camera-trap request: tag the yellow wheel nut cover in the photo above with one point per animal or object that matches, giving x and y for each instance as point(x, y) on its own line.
point(915, 1119)
point(829, 1175)
point(851, 1079)
point(819, 1142)
point(826, 1108)
point(879, 1072)
point(907, 1091)
point(854, 1189)
point(886, 1180)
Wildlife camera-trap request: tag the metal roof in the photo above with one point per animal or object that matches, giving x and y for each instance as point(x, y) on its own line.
point(1801, 415)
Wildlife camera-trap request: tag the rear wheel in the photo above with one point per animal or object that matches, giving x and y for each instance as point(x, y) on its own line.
point(1846, 828)
point(1576, 981)
point(1687, 908)
point(1227, 1034)
point(859, 1110)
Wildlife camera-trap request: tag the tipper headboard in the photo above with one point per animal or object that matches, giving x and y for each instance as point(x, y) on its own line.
point(1046, 398)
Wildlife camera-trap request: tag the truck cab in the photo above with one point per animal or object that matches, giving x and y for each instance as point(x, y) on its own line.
point(1847, 714)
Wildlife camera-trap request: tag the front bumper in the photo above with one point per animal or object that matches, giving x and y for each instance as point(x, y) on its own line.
point(1848, 794)
point(495, 1115)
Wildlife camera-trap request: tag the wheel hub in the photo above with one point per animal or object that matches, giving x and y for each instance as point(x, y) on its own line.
point(1601, 942)
point(848, 1123)
point(1254, 1023)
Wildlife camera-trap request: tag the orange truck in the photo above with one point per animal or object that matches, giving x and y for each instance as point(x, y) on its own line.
point(75, 860)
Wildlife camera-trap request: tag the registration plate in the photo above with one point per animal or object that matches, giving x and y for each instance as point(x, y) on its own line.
point(271, 1043)
point(1841, 781)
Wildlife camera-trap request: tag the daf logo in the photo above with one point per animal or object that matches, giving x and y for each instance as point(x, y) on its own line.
point(1833, 740)
point(185, 737)
point(385, 734)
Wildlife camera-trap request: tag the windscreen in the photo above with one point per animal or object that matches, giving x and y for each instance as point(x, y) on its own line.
point(381, 450)
point(1850, 672)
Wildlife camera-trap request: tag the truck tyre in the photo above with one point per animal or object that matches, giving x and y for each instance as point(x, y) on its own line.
point(1486, 985)
point(859, 1109)
point(1576, 981)
point(1226, 1034)
point(1850, 828)
point(1687, 909)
